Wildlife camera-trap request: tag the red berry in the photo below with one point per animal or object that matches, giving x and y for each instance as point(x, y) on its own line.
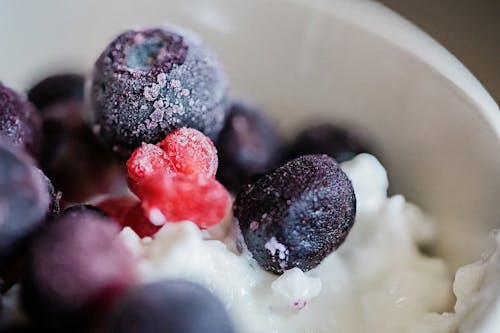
point(137, 220)
point(148, 160)
point(127, 212)
point(191, 152)
point(179, 197)
point(117, 207)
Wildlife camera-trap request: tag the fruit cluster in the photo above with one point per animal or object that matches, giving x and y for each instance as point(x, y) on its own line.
point(165, 145)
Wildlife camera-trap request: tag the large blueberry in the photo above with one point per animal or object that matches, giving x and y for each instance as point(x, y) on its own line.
point(173, 306)
point(149, 82)
point(248, 146)
point(297, 215)
point(20, 124)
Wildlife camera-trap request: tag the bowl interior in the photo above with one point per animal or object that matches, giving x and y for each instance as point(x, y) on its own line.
point(305, 63)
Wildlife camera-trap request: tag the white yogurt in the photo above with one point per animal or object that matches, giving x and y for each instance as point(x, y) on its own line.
point(377, 281)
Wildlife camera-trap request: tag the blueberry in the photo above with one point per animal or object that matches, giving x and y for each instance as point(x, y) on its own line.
point(72, 156)
point(147, 83)
point(339, 143)
point(56, 89)
point(297, 215)
point(76, 268)
point(24, 199)
point(173, 306)
point(19, 121)
point(248, 145)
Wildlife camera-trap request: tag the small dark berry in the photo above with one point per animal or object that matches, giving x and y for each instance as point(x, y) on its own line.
point(248, 146)
point(173, 306)
point(73, 158)
point(56, 89)
point(20, 124)
point(336, 142)
point(75, 270)
point(297, 215)
point(150, 82)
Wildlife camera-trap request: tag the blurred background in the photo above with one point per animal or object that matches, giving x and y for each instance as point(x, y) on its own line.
point(470, 29)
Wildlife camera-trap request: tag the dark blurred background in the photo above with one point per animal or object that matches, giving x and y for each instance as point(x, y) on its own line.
point(470, 29)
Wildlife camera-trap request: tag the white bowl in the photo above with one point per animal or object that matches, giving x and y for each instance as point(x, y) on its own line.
point(352, 62)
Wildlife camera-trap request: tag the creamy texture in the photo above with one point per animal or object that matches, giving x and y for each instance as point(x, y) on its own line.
point(377, 281)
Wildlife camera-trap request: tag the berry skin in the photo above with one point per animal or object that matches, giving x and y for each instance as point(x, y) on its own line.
point(148, 160)
point(179, 197)
point(20, 124)
point(336, 142)
point(297, 215)
point(150, 82)
point(191, 152)
point(55, 198)
point(128, 212)
point(56, 89)
point(173, 306)
point(76, 268)
point(24, 199)
point(248, 146)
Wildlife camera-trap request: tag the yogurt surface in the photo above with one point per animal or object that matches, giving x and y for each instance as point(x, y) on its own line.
point(379, 280)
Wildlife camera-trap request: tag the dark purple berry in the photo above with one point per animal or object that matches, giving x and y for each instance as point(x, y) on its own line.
point(150, 82)
point(24, 199)
point(336, 142)
point(248, 145)
point(56, 89)
point(72, 156)
point(76, 268)
point(173, 306)
point(19, 121)
point(297, 215)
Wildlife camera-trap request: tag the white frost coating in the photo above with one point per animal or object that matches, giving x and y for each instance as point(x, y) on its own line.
point(276, 248)
point(378, 281)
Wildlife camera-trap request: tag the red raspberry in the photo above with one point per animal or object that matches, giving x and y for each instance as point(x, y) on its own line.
point(179, 197)
point(137, 220)
point(117, 207)
point(148, 160)
point(191, 152)
point(128, 212)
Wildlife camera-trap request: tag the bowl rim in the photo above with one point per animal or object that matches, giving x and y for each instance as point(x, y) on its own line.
point(381, 21)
